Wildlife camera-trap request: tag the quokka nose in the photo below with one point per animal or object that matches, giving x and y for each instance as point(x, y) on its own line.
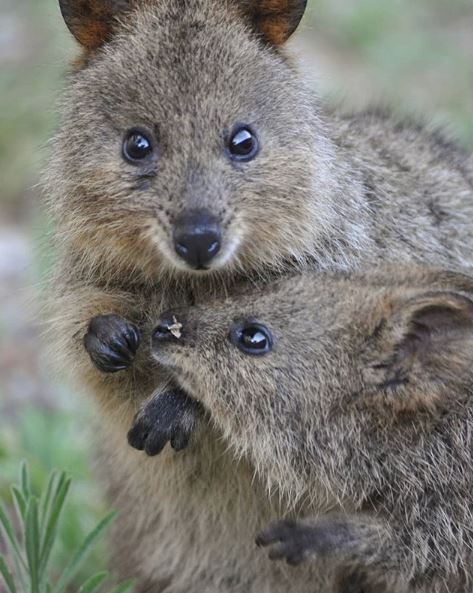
point(168, 329)
point(197, 238)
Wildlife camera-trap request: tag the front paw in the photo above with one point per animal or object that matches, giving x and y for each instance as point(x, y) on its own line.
point(112, 343)
point(296, 542)
point(170, 416)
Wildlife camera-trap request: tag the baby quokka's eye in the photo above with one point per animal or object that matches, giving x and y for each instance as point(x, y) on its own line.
point(243, 144)
point(251, 338)
point(137, 146)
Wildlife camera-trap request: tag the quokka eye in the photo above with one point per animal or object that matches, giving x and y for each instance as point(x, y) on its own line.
point(243, 144)
point(137, 146)
point(251, 338)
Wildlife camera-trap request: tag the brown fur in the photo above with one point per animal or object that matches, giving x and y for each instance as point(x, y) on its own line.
point(276, 19)
point(364, 408)
point(92, 21)
point(326, 191)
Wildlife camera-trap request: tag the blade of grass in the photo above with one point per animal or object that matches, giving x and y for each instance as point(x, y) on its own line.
point(20, 503)
point(10, 536)
point(21, 508)
point(51, 526)
point(7, 576)
point(54, 489)
point(77, 559)
point(45, 500)
point(25, 480)
point(93, 583)
point(32, 543)
point(124, 587)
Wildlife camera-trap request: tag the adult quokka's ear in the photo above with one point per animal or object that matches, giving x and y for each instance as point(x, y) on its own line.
point(92, 21)
point(425, 342)
point(275, 20)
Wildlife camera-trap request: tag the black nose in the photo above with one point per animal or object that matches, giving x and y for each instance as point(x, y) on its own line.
point(197, 238)
point(169, 328)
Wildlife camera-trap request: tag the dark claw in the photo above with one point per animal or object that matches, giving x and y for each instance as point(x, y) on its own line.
point(283, 552)
point(295, 559)
point(180, 440)
point(156, 441)
point(170, 416)
point(112, 343)
point(138, 433)
point(287, 540)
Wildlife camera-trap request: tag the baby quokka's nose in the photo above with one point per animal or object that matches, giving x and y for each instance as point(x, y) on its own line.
point(168, 329)
point(197, 238)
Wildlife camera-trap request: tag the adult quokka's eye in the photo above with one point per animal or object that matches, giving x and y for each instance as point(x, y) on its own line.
point(251, 338)
point(242, 144)
point(137, 146)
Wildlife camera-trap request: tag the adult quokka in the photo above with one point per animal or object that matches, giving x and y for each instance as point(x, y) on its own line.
point(191, 155)
point(357, 410)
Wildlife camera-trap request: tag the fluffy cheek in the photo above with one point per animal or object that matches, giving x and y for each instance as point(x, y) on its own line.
point(122, 244)
point(273, 235)
point(276, 221)
point(111, 222)
point(239, 396)
point(197, 370)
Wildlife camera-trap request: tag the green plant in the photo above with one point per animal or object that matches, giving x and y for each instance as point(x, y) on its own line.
point(48, 435)
point(31, 532)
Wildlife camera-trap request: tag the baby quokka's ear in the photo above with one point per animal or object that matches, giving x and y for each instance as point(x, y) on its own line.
point(275, 20)
point(92, 21)
point(425, 344)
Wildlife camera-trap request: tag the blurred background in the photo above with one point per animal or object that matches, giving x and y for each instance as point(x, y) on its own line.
point(415, 55)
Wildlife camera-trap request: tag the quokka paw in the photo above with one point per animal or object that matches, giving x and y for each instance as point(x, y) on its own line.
point(169, 417)
point(112, 343)
point(297, 542)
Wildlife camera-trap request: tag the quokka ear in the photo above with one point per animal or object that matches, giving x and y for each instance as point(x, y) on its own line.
point(430, 332)
point(275, 20)
point(92, 21)
point(435, 319)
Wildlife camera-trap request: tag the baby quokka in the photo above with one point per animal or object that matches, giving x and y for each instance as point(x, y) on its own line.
point(358, 406)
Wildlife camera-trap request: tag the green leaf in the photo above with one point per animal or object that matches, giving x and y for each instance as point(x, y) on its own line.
point(124, 587)
point(77, 559)
point(93, 583)
point(7, 577)
point(52, 520)
point(10, 536)
point(25, 480)
point(20, 503)
point(32, 543)
point(45, 501)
